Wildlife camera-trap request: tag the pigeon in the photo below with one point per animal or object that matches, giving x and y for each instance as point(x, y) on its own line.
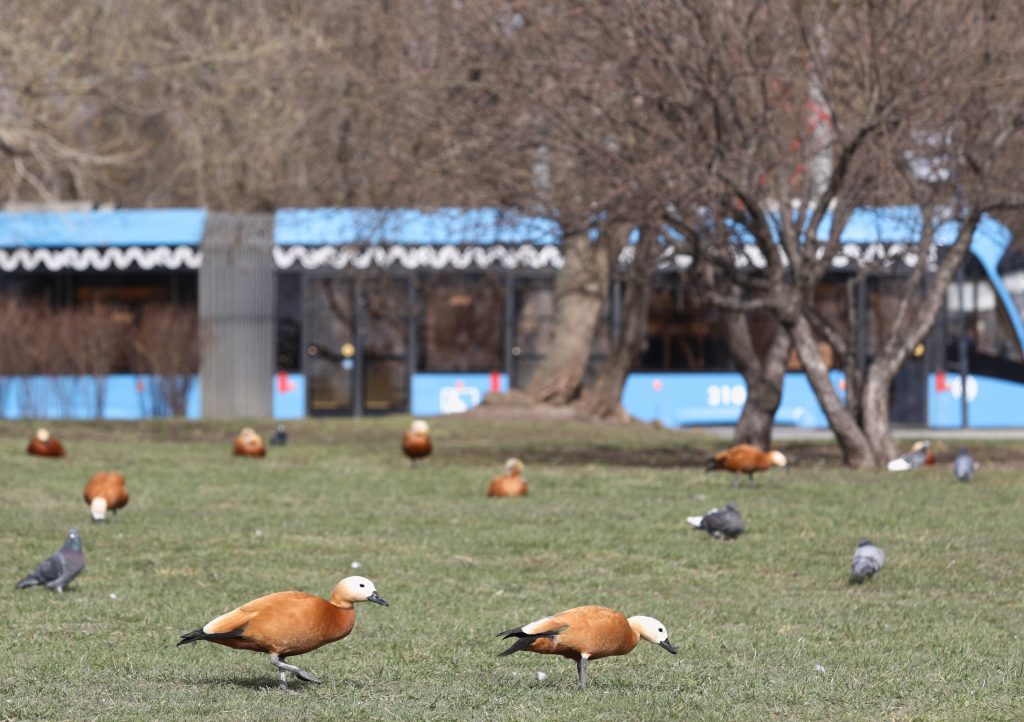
point(867, 560)
point(280, 437)
point(917, 457)
point(60, 568)
point(724, 523)
point(964, 466)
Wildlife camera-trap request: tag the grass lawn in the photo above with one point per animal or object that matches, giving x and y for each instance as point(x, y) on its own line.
point(766, 627)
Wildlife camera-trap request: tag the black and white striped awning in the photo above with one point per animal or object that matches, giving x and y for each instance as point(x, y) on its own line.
point(436, 257)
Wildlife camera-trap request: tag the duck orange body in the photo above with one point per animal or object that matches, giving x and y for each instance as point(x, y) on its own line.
point(585, 633)
point(286, 624)
point(249, 443)
point(746, 459)
point(105, 491)
point(44, 444)
point(416, 441)
point(512, 483)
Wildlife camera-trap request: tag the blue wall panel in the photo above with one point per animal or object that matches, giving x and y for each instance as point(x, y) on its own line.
point(435, 394)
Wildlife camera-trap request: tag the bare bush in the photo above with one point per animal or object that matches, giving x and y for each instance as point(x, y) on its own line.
point(167, 345)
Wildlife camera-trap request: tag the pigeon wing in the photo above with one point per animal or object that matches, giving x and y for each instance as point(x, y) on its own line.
point(71, 565)
point(51, 568)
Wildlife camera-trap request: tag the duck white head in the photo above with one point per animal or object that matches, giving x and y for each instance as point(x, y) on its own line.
point(98, 508)
point(247, 431)
point(356, 589)
point(652, 630)
point(419, 426)
point(42, 435)
point(777, 458)
point(514, 466)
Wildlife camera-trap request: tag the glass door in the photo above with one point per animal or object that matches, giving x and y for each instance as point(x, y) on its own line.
point(330, 311)
point(384, 314)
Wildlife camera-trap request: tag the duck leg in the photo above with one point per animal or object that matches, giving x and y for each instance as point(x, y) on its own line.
point(283, 667)
point(581, 667)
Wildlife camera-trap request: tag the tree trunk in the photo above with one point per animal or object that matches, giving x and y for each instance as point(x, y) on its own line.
point(603, 397)
point(875, 405)
point(580, 291)
point(764, 379)
point(857, 450)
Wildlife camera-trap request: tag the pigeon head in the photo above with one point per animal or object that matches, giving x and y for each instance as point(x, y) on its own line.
point(74, 541)
point(731, 507)
point(864, 542)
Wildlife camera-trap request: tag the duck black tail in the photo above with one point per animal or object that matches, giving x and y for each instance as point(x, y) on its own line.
point(199, 634)
point(525, 640)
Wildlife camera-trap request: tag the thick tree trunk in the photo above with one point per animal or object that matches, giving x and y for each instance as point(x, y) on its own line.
point(603, 397)
point(857, 449)
point(764, 379)
point(875, 405)
point(580, 291)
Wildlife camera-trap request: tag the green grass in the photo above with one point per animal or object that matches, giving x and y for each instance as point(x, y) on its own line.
point(937, 635)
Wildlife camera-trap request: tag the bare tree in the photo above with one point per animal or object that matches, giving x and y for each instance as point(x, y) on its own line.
point(901, 86)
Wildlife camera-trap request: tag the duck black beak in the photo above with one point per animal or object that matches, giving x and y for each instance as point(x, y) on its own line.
point(668, 646)
point(377, 599)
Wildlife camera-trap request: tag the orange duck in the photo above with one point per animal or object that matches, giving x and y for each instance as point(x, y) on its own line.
point(287, 624)
point(416, 441)
point(43, 444)
point(586, 633)
point(512, 484)
point(105, 491)
point(745, 459)
point(249, 443)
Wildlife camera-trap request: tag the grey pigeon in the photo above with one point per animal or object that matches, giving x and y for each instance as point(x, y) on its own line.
point(964, 466)
point(913, 459)
point(60, 568)
point(724, 523)
point(280, 437)
point(867, 560)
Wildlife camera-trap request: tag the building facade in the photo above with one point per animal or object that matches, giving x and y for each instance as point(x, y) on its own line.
point(312, 312)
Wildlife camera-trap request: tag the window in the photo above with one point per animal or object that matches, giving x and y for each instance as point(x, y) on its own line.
point(462, 318)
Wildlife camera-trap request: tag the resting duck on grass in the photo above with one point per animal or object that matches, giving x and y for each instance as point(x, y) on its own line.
point(287, 624)
point(920, 454)
point(105, 492)
point(745, 459)
point(585, 633)
point(44, 444)
point(513, 483)
point(249, 443)
point(416, 441)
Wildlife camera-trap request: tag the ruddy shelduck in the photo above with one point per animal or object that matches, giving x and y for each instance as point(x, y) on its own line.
point(513, 483)
point(249, 443)
point(920, 454)
point(586, 633)
point(745, 459)
point(416, 441)
point(287, 624)
point(43, 443)
point(105, 492)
